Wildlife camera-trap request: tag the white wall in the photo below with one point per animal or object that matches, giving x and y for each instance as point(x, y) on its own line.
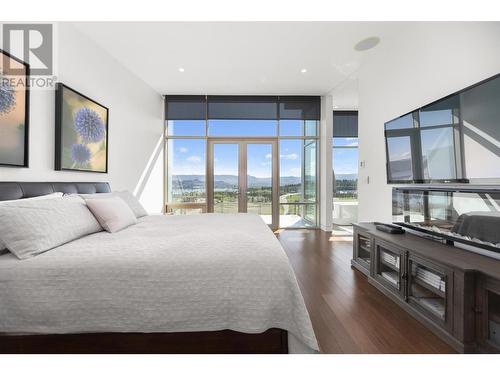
point(425, 62)
point(135, 121)
point(345, 95)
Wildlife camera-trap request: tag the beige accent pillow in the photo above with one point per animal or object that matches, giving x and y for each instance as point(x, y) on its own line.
point(127, 196)
point(112, 213)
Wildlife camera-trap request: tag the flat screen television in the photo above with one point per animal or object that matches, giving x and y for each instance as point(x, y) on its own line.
point(455, 139)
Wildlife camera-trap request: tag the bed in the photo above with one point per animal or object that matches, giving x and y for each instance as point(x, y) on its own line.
point(170, 284)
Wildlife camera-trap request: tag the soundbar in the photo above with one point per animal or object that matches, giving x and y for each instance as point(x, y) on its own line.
point(389, 228)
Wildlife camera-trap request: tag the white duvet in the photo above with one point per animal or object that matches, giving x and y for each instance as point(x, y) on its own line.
point(165, 274)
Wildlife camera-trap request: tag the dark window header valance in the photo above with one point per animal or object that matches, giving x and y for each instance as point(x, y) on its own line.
point(242, 107)
point(185, 107)
point(180, 107)
point(300, 107)
point(345, 124)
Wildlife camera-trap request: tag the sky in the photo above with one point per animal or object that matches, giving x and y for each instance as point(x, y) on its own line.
point(188, 155)
point(345, 160)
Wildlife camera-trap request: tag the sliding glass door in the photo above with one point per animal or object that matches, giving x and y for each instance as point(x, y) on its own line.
point(225, 178)
point(259, 185)
point(242, 176)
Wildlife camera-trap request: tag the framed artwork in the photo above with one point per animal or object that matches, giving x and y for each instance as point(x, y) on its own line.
point(81, 132)
point(14, 111)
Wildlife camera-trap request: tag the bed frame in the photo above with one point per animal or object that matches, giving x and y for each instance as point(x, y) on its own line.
point(272, 341)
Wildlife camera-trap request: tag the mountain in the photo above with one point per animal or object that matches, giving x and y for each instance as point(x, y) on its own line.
point(349, 176)
point(289, 180)
point(188, 177)
point(227, 181)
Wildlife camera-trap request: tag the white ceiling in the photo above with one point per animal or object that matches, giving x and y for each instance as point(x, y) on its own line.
point(345, 95)
point(240, 57)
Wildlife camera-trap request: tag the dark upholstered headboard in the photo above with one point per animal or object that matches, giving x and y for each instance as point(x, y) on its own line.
point(20, 190)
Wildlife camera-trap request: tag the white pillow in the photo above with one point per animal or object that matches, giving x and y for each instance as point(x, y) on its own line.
point(127, 196)
point(3, 248)
point(112, 213)
point(31, 227)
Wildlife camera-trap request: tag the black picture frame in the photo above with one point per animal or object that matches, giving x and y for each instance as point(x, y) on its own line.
point(59, 103)
point(25, 163)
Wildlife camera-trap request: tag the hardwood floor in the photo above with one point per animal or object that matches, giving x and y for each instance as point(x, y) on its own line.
point(348, 314)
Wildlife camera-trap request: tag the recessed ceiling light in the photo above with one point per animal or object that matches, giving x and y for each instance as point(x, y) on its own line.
point(367, 43)
point(303, 70)
point(181, 70)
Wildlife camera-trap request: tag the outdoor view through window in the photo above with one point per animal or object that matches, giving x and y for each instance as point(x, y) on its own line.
point(345, 167)
point(261, 166)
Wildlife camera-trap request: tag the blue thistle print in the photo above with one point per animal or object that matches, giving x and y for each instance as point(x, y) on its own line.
point(89, 126)
point(7, 96)
point(80, 153)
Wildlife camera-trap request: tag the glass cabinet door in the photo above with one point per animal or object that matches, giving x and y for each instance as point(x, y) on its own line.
point(363, 250)
point(362, 253)
point(430, 290)
point(494, 319)
point(389, 267)
point(488, 314)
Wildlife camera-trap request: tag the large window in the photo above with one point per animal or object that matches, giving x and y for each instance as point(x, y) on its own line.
point(345, 167)
point(195, 128)
point(259, 183)
point(298, 182)
point(226, 181)
point(186, 170)
point(228, 124)
point(242, 128)
point(297, 128)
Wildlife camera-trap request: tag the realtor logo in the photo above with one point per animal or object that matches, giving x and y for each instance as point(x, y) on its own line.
point(31, 43)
